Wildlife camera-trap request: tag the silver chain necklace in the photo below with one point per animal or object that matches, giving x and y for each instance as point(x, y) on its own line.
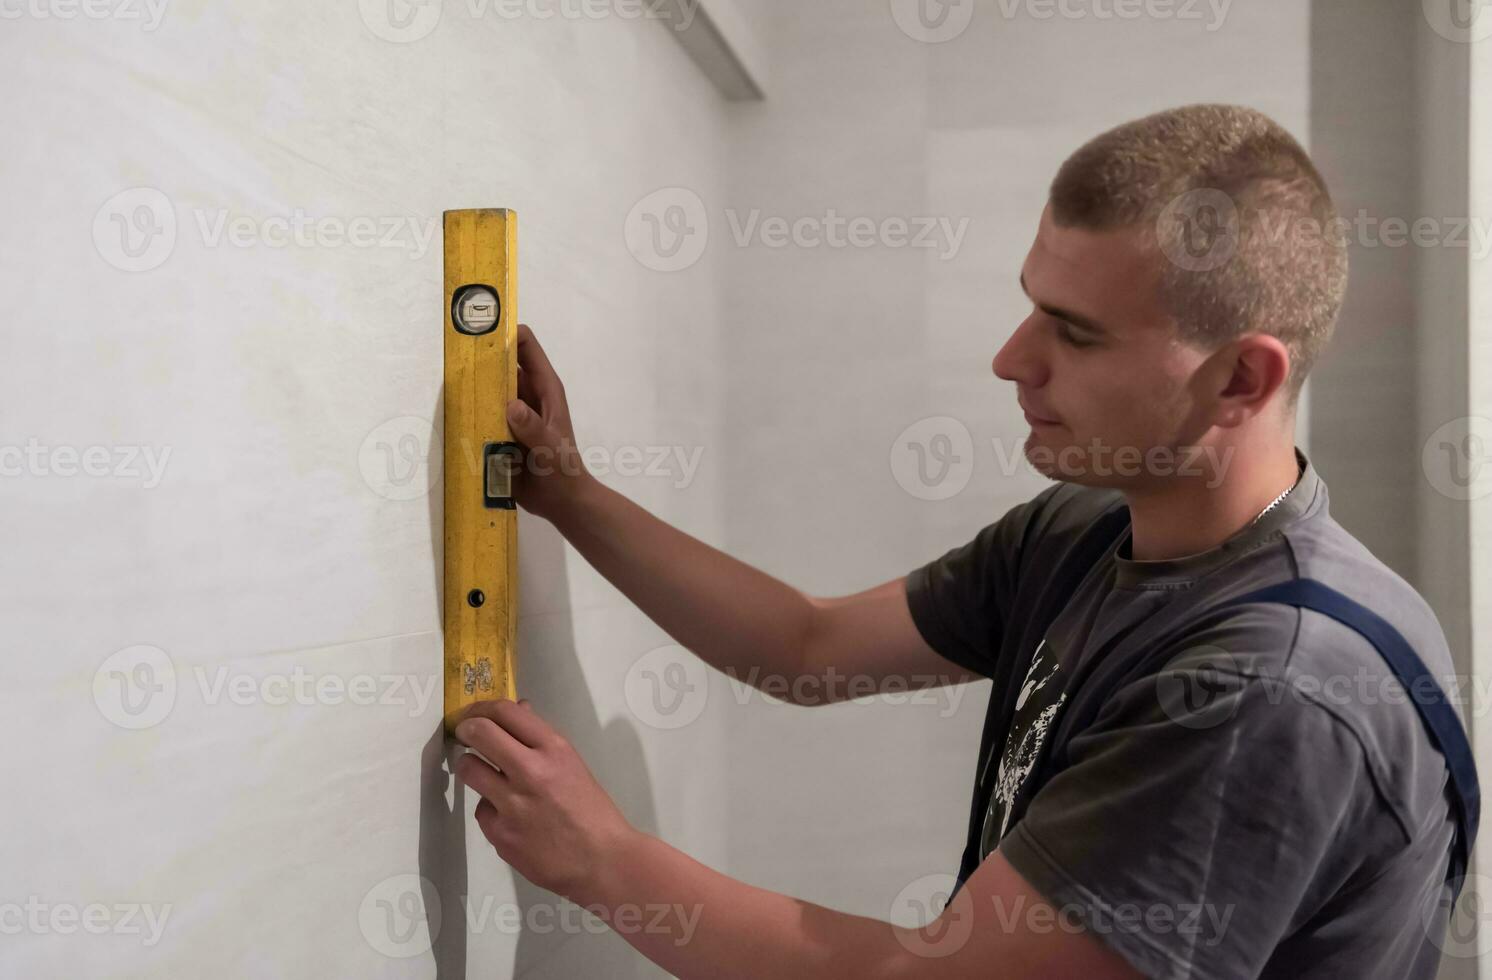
point(1280, 499)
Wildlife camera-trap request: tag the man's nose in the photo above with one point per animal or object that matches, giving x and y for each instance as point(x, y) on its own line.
point(1019, 360)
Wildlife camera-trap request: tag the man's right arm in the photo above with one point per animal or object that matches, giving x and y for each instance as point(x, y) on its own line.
point(743, 621)
point(735, 617)
point(871, 635)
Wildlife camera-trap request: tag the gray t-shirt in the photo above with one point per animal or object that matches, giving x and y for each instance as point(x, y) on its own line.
point(1267, 803)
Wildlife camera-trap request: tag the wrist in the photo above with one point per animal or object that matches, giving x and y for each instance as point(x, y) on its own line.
point(607, 885)
point(577, 503)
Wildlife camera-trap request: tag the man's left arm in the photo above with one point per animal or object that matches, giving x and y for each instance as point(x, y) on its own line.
point(552, 822)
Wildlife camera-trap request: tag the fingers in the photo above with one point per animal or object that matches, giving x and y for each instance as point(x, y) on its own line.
point(486, 817)
point(528, 428)
point(515, 721)
point(531, 354)
point(489, 738)
point(526, 389)
point(542, 380)
point(487, 781)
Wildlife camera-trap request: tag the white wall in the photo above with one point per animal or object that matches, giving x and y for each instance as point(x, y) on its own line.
point(1365, 105)
point(270, 375)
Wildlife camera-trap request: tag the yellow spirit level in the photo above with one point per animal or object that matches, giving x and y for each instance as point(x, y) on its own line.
point(480, 599)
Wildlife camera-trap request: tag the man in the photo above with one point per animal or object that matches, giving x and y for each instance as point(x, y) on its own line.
point(1254, 803)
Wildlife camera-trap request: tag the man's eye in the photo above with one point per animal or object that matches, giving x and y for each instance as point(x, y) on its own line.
point(1064, 330)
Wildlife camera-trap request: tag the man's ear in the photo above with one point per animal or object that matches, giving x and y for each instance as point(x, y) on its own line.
point(1256, 370)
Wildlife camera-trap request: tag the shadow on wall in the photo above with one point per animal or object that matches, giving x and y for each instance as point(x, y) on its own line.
point(549, 675)
point(442, 818)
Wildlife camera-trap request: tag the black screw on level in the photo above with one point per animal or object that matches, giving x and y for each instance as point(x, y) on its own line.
point(475, 597)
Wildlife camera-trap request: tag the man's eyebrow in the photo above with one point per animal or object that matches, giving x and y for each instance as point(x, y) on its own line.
point(1076, 319)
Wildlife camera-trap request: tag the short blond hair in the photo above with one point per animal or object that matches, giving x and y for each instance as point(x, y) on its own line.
point(1256, 188)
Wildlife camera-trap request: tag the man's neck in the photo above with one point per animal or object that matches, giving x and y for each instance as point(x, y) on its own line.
point(1187, 516)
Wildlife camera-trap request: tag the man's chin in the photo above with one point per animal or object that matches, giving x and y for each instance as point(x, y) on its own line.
point(1044, 457)
point(1059, 459)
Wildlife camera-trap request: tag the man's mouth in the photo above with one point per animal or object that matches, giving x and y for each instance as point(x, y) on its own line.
point(1035, 419)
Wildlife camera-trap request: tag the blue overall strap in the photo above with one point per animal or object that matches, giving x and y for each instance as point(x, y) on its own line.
point(1446, 731)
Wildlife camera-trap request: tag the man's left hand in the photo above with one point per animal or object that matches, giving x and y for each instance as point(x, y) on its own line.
point(541, 808)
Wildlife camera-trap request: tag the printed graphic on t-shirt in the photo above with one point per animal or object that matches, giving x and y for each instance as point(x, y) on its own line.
point(1042, 695)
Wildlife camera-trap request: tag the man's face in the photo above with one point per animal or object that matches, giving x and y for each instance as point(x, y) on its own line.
point(1097, 365)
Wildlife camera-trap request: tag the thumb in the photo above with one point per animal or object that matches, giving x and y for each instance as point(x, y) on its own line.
point(526, 424)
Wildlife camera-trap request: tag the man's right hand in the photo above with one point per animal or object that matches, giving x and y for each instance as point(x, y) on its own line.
point(552, 475)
